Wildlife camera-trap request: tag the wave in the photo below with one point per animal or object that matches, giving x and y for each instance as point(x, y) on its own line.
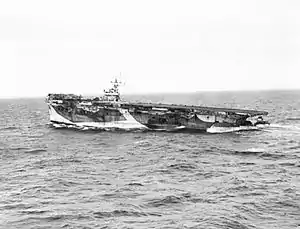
point(255, 150)
point(294, 147)
point(284, 126)
point(47, 219)
point(182, 166)
point(289, 164)
point(226, 222)
point(35, 151)
point(171, 199)
point(260, 152)
point(9, 128)
point(167, 200)
point(246, 163)
point(274, 155)
point(184, 198)
point(171, 129)
point(36, 136)
point(250, 151)
point(293, 119)
point(135, 184)
point(219, 130)
point(33, 212)
point(120, 213)
point(17, 206)
point(18, 148)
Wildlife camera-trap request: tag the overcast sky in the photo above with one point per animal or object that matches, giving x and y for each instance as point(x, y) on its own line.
point(159, 46)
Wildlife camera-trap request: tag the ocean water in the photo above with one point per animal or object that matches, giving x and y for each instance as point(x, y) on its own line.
point(62, 178)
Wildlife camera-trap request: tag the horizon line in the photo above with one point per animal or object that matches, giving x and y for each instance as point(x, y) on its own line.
point(155, 93)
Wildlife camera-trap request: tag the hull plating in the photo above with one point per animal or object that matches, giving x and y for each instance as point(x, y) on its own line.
point(119, 118)
point(129, 122)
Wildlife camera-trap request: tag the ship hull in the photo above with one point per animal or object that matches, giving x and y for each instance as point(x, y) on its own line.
point(108, 119)
point(60, 118)
point(137, 116)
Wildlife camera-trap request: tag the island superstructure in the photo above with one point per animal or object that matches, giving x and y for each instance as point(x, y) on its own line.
point(111, 112)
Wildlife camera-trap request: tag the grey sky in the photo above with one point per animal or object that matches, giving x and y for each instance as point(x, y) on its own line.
point(159, 46)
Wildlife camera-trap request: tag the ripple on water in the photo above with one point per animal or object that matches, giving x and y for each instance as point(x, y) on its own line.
point(124, 213)
point(35, 151)
point(9, 128)
point(183, 166)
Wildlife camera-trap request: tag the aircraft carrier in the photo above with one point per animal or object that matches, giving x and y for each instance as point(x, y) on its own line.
point(111, 112)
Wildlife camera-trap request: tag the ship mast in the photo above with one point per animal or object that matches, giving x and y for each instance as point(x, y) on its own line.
point(113, 92)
